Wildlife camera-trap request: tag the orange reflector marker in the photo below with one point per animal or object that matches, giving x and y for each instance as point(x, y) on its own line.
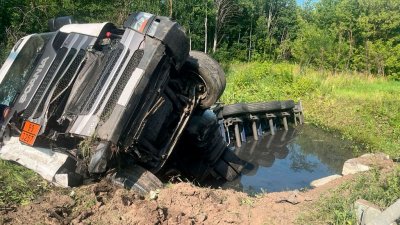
point(29, 133)
point(142, 26)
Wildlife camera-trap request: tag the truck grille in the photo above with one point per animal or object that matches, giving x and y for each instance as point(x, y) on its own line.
point(47, 79)
point(91, 98)
point(132, 64)
point(69, 75)
point(113, 79)
point(55, 80)
point(59, 40)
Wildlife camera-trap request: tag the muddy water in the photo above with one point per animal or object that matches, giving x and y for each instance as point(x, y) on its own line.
point(290, 160)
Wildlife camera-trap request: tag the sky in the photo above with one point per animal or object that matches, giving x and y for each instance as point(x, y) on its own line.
point(301, 2)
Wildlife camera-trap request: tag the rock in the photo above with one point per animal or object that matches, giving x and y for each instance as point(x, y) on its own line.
point(367, 155)
point(162, 213)
point(324, 180)
point(379, 155)
point(353, 166)
point(201, 217)
point(72, 194)
point(153, 195)
point(126, 200)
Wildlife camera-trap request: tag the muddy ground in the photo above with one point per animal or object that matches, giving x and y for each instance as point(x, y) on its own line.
point(181, 203)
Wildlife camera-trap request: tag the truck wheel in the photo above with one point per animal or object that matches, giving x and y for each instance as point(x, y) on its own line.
point(209, 72)
point(136, 178)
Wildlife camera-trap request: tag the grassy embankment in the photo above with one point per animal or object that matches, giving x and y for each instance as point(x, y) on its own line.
point(337, 206)
point(362, 108)
point(18, 185)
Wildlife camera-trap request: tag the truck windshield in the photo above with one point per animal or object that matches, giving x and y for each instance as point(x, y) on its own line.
point(18, 66)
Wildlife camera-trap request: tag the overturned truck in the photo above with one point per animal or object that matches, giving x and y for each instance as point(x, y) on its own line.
point(86, 101)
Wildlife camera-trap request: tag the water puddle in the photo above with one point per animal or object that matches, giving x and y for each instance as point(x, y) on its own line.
point(290, 160)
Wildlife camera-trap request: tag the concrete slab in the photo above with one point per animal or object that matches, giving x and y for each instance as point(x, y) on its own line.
point(41, 160)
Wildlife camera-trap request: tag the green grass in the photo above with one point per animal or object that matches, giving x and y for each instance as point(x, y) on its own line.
point(362, 108)
point(19, 185)
point(247, 82)
point(337, 206)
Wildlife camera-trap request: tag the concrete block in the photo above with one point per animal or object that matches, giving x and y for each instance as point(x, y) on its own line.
point(324, 180)
point(370, 214)
point(388, 217)
point(365, 211)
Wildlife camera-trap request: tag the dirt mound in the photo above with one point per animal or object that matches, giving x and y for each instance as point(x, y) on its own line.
point(181, 203)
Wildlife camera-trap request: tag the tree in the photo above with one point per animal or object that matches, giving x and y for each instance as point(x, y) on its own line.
point(313, 46)
point(225, 11)
point(356, 35)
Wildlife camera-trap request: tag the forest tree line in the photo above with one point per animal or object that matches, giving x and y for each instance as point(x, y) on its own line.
point(338, 35)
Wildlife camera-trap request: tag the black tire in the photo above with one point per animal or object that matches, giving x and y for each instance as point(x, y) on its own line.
point(289, 104)
point(261, 107)
point(136, 178)
point(234, 109)
point(210, 73)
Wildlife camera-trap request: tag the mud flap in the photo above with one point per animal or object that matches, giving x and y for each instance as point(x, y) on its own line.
point(54, 167)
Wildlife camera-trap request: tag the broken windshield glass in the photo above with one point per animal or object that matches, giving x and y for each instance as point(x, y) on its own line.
point(19, 64)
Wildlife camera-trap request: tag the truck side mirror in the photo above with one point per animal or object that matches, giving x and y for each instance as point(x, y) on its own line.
point(56, 23)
